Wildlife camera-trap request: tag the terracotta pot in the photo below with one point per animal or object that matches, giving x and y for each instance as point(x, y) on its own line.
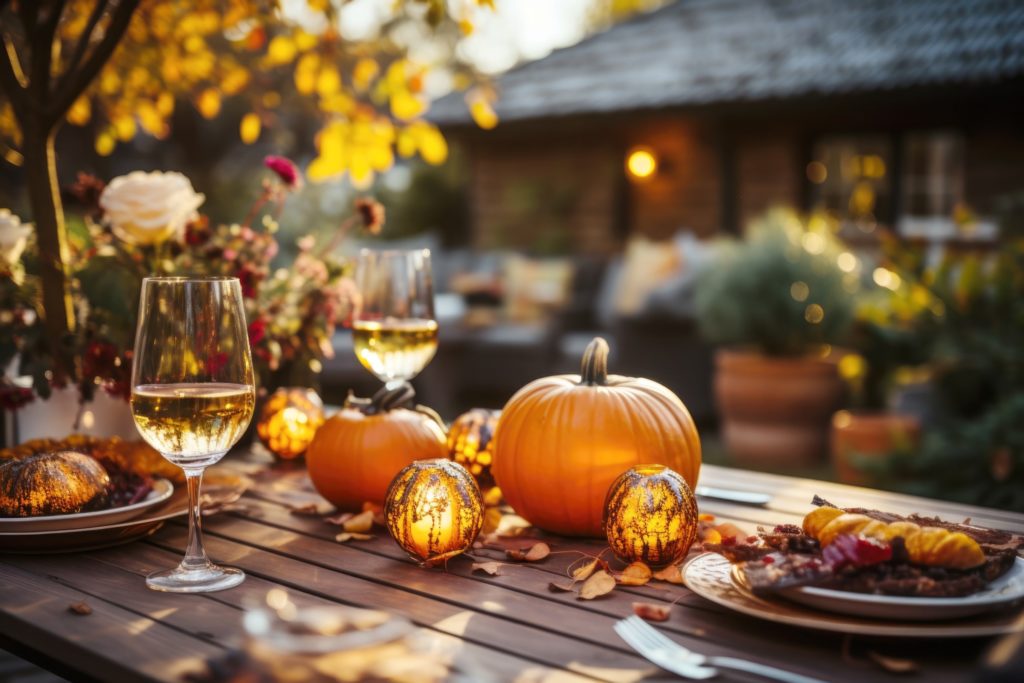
point(869, 435)
point(776, 411)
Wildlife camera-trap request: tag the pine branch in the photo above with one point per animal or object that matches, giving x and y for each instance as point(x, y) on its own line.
point(74, 84)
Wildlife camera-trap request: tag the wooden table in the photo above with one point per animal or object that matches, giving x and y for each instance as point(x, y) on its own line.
point(503, 628)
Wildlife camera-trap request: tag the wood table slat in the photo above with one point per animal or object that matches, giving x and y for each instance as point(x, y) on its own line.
point(111, 644)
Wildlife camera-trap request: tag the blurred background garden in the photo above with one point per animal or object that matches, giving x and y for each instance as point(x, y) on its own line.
point(805, 217)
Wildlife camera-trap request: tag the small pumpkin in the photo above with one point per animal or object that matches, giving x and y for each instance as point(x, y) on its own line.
point(471, 443)
point(561, 442)
point(650, 516)
point(52, 484)
point(357, 452)
point(434, 509)
point(289, 420)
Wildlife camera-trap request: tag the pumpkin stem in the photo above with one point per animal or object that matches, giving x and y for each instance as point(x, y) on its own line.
point(387, 399)
point(595, 363)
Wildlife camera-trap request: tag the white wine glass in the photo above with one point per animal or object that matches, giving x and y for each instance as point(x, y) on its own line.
point(192, 397)
point(394, 330)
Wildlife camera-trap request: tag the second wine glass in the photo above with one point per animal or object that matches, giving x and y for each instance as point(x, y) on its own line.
point(394, 329)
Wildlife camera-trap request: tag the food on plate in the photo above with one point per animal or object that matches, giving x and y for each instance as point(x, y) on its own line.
point(928, 545)
point(76, 474)
point(869, 551)
point(52, 484)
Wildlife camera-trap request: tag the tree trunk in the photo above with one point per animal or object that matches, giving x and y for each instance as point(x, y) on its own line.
point(51, 234)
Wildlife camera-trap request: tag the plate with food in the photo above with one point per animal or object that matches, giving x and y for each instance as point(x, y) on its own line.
point(76, 483)
point(880, 565)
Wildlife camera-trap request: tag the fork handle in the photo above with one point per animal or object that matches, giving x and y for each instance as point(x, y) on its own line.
point(761, 670)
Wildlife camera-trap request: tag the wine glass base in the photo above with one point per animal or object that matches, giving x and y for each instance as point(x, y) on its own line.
point(202, 580)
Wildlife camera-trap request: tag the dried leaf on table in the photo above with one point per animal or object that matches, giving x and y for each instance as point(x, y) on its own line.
point(339, 518)
point(600, 583)
point(312, 509)
point(561, 587)
point(346, 536)
point(670, 574)
point(378, 513)
point(652, 612)
point(583, 573)
point(81, 608)
point(359, 524)
point(536, 552)
point(728, 530)
point(636, 574)
point(894, 665)
point(487, 567)
point(492, 520)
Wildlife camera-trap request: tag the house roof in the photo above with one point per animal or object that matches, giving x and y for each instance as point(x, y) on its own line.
point(698, 52)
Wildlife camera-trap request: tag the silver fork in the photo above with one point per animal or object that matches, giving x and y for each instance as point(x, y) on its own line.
point(671, 656)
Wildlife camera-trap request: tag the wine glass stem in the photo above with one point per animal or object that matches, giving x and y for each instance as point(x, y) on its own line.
point(195, 554)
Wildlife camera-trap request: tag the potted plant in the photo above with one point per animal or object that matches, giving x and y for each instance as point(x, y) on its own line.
point(775, 303)
point(147, 224)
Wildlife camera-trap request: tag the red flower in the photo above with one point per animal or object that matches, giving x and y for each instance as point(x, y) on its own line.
point(257, 331)
point(286, 170)
point(371, 214)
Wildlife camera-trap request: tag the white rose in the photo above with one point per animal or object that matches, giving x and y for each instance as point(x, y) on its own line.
point(150, 208)
point(13, 235)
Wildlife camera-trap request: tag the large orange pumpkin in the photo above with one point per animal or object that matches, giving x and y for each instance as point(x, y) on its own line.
point(355, 454)
point(562, 441)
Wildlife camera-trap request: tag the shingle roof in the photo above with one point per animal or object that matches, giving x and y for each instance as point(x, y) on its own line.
point(696, 52)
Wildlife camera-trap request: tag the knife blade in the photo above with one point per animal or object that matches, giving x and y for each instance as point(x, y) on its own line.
point(733, 496)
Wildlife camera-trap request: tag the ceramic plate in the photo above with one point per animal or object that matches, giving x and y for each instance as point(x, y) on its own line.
point(162, 490)
point(710, 576)
point(91, 538)
point(1004, 591)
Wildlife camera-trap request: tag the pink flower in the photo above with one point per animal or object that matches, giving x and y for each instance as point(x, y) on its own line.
point(286, 170)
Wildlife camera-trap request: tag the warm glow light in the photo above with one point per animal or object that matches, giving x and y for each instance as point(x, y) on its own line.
point(847, 262)
point(799, 291)
point(814, 314)
point(884, 277)
point(641, 163)
point(817, 173)
point(813, 242)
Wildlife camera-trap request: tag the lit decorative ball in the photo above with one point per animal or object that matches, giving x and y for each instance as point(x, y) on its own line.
point(470, 443)
point(434, 509)
point(650, 516)
point(288, 421)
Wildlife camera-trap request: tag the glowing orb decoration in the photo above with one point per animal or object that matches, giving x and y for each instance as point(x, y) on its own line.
point(470, 443)
point(650, 516)
point(289, 420)
point(434, 510)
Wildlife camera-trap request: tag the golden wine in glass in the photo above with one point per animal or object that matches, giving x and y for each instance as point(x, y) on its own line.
point(193, 395)
point(394, 331)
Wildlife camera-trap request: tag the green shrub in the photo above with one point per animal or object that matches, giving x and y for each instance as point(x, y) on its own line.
point(780, 290)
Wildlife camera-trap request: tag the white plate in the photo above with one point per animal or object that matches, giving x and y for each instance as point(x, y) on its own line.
point(710, 576)
point(1004, 591)
point(162, 490)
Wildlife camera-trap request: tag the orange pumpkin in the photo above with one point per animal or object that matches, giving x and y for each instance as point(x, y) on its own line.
point(355, 454)
point(562, 441)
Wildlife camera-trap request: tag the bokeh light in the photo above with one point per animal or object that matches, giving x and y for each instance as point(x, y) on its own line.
point(641, 163)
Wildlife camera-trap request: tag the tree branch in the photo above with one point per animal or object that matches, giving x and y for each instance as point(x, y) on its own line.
point(41, 40)
point(12, 76)
point(86, 37)
point(74, 83)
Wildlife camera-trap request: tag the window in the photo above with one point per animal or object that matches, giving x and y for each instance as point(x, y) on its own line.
point(850, 177)
point(932, 183)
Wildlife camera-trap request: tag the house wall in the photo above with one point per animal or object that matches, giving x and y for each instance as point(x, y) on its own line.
point(769, 171)
point(544, 196)
point(685, 193)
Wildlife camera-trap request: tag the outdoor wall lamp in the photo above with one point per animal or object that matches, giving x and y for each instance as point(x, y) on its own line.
point(641, 163)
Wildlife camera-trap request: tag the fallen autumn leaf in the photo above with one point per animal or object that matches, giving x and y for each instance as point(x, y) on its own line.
point(487, 567)
point(636, 574)
point(600, 583)
point(652, 612)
